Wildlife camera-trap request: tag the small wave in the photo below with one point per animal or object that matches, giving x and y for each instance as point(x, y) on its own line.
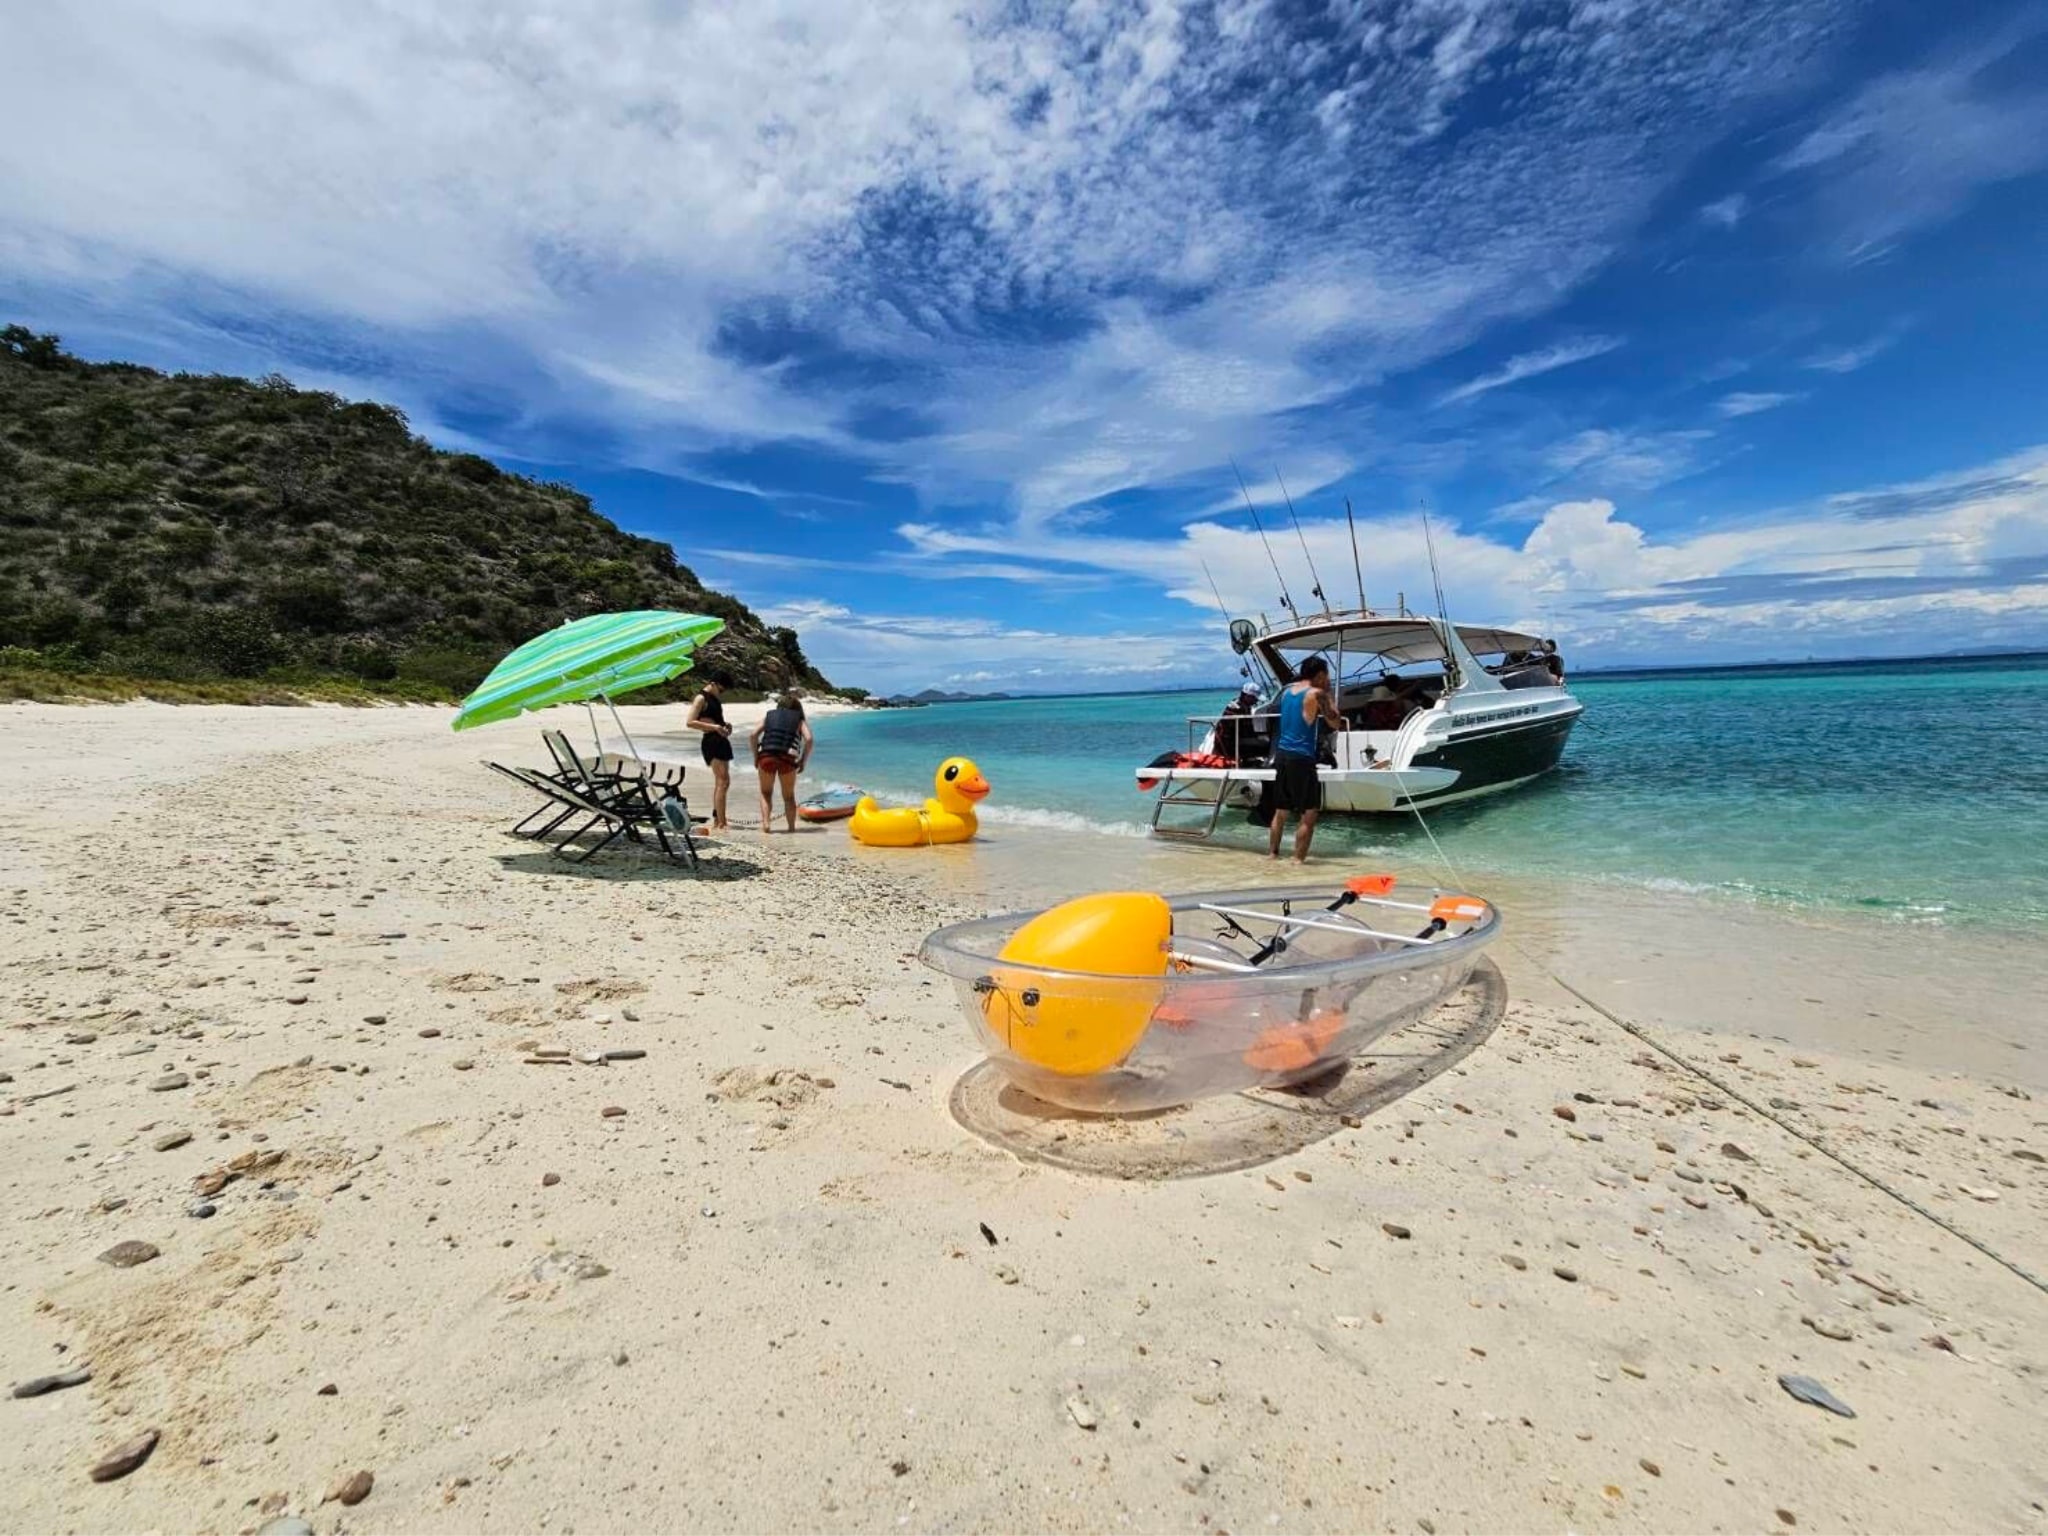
point(1061, 821)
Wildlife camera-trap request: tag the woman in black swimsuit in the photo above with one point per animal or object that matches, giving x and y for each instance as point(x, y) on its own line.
point(782, 741)
point(708, 716)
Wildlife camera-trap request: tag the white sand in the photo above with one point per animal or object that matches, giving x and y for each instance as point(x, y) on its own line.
point(801, 1325)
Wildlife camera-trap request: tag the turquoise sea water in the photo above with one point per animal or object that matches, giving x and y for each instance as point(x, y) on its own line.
point(1912, 791)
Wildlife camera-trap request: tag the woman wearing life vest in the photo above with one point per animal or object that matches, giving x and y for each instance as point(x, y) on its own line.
point(782, 743)
point(1305, 705)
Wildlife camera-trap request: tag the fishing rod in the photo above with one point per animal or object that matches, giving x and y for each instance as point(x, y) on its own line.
point(1356, 569)
point(1315, 581)
point(1216, 592)
point(1452, 672)
point(1285, 601)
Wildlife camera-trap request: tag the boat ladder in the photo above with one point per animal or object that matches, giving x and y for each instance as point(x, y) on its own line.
point(1206, 796)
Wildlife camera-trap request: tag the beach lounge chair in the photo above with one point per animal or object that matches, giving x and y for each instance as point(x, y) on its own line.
point(551, 813)
point(623, 809)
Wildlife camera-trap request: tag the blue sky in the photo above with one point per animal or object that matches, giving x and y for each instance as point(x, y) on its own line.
point(1710, 329)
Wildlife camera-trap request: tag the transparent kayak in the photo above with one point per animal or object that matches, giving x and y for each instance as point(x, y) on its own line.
point(1205, 993)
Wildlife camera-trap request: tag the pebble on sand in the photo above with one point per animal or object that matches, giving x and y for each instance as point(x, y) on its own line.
point(352, 1489)
point(1395, 1229)
point(550, 1180)
point(119, 1463)
point(1807, 1390)
point(171, 1140)
point(1649, 1466)
point(612, 1111)
point(1080, 1412)
point(1562, 1273)
point(1514, 1261)
point(169, 1081)
point(38, 1385)
point(285, 1525)
point(128, 1254)
point(1565, 1112)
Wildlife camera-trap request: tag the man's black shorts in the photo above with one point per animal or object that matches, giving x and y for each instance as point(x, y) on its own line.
point(1295, 786)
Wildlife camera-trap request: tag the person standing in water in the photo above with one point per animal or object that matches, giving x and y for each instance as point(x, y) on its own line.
point(707, 715)
point(1305, 704)
point(782, 744)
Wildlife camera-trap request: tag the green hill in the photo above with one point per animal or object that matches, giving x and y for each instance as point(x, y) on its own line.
point(191, 528)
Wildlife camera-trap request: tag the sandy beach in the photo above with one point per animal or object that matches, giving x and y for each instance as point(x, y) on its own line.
point(288, 965)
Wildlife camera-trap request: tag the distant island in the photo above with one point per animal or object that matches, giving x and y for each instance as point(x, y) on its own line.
point(941, 696)
point(203, 536)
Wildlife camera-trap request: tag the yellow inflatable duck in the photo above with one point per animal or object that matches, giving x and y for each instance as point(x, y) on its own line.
point(948, 817)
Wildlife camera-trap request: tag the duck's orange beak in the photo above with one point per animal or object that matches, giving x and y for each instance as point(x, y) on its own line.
point(975, 788)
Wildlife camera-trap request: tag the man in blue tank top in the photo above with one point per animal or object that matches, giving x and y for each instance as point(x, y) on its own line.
point(1305, 705)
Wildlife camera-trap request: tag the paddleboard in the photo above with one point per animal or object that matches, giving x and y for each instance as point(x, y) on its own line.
point(829, 805)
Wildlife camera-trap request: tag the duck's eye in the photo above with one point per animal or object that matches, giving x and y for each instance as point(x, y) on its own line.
point(952, 772)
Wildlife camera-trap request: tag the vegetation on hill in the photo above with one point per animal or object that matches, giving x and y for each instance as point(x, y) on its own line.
point(199, 529)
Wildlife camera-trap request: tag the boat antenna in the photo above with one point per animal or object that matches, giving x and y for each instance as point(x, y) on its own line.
point(1285, 601)
point(1356, 569)
point(1315, 581)
point(1451, 676)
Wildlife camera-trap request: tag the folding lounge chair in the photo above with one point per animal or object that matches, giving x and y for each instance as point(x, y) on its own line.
point(612, 771)
point(550, 808)
point(625, 810)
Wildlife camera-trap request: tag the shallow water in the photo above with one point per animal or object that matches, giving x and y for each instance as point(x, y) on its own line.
point(1916, 792)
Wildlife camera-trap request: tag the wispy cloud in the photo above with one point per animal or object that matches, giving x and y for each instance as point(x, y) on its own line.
point(1529, 365)
point(1611, 459)
point(1751, 402)
point(1848, 359)
point(1726, 212)
point(1060, 252)
point(1907, 150)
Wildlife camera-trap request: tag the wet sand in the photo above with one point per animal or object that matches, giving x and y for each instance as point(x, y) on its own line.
point(1548, 1278)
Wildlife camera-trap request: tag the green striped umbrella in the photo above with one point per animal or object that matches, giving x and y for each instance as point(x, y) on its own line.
point(594, 658)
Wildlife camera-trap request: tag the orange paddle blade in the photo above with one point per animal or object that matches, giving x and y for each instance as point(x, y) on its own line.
point(1457, 909)
point(1369, 885)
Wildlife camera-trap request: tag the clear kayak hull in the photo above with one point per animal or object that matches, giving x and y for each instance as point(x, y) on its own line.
point(1229, 1011)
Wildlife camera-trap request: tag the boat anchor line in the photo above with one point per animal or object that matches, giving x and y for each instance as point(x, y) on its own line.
point(1764, 1112)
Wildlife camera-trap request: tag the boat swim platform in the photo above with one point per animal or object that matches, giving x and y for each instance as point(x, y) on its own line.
point(1207, 791)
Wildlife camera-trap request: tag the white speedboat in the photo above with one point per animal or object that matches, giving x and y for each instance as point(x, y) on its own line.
point(1427, 719)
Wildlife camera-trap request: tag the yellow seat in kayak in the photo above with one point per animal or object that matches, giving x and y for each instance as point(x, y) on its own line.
point(1088, 1022)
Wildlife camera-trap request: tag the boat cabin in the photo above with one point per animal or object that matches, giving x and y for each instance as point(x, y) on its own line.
point(1386, 671)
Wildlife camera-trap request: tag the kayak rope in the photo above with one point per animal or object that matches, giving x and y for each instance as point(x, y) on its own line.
point(1638, 1032)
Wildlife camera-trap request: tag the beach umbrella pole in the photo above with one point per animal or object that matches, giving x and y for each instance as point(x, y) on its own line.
point(596, 740)
point(608, 704)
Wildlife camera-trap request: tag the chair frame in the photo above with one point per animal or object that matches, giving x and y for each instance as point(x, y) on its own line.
point(622, 803)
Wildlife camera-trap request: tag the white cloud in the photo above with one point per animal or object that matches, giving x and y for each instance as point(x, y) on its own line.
point(1908, 149)
point(1529, 365)
point(902, 653)
point(1083, 249)
point(1615, 460)
point(1726, 212)
point(1848, 359)
point(1750, 402)
point(1953, 560)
